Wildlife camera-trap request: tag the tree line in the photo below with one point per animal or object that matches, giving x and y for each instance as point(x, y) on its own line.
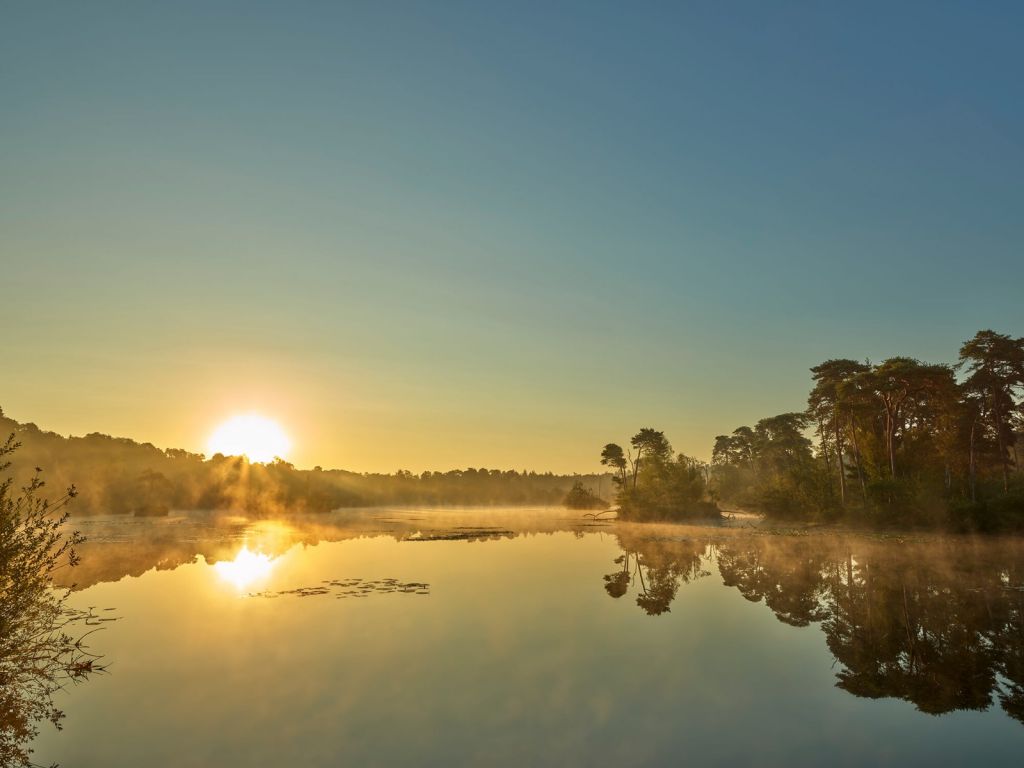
point(120, 476)
point(896, 442)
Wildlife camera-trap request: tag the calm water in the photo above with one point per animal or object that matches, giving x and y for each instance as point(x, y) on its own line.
point(528, 637)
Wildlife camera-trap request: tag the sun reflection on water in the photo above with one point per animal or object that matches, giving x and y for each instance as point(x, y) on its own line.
point(246, 568)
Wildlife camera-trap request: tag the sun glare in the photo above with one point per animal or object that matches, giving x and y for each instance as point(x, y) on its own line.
point(250, 435)
point(247, 567)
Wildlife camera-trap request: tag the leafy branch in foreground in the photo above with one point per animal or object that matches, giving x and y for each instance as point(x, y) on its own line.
point(38, 655)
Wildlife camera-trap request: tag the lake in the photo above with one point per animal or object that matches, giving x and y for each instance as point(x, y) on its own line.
point(540, 637)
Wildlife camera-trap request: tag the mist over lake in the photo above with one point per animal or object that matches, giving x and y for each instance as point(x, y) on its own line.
point(512, 636)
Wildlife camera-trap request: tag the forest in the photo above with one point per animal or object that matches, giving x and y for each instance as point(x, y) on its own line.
point(900, 442)
point(896, 443)
point(114, 475)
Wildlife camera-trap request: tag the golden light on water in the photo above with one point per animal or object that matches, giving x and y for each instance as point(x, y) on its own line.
point(247, 568)
point(251, 435)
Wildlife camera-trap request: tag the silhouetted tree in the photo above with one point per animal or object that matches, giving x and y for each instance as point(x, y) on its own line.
point(829, 406)
point(613, 456)
point(663, 486)
point(995, 366)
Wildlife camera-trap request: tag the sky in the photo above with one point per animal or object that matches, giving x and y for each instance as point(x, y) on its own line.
point(436, 235)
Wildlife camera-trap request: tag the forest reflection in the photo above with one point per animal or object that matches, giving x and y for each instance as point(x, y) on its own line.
point(936, 623)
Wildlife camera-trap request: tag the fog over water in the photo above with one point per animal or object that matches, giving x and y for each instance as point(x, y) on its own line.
point(536, 636)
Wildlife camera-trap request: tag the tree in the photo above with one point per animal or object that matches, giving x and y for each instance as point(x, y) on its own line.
point(736, 449)
point(828, 404)
point(895, 383)
point(613, 456)
point(744, 445)
point(995, 366)
point(781, 442)
point(650, 444)
point(722, 452)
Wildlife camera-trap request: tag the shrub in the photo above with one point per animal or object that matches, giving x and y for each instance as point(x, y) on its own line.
point(37, 655)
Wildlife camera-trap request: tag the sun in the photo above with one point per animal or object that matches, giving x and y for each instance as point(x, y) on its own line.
point(256, 437)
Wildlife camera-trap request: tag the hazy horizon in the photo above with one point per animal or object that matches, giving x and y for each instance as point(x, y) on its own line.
point(796, 400)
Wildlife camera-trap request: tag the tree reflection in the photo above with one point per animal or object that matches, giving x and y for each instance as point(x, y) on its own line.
point(936, 623)
point(617, 583)
point(936, 628)
point(789, 583)
point(657, 569)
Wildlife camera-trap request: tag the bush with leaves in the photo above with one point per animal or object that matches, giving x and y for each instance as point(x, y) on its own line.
point(38, 655)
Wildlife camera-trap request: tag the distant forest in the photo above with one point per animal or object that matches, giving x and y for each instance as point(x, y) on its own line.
point(116, 475)
point(900, 442)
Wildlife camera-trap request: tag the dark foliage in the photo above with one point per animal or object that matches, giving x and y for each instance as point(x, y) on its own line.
point(121, 476)
point(898, 443)
point(38, 655)
point(654, 484)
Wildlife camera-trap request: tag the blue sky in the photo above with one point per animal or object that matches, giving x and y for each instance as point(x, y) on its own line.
point(437, 234)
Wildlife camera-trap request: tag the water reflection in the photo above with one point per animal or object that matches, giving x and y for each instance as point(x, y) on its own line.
point(246, 569)
point(657, 569)
point(118, 546)
point(936, 623)
point(533, 637)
